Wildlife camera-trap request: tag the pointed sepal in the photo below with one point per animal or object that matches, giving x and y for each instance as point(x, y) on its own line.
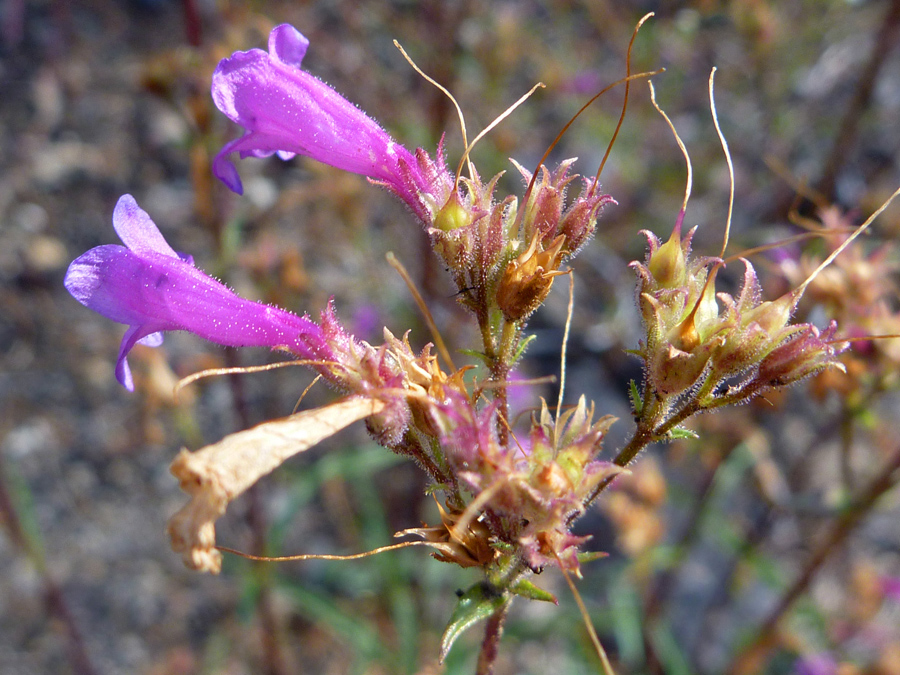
point(476, 604)
point(528, 590)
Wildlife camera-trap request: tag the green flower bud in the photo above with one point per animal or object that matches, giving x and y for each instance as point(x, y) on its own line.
point(772, 316)
point(667, 263)
point(452, 215)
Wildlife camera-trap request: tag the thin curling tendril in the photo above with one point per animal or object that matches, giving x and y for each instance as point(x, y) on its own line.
point(715, 117)
point(687, 158)
point(459, 112)
point(502, 116)
point(615, 135)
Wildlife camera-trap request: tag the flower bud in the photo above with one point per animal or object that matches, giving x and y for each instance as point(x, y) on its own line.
point(542, 211)
point(803, 354)
point(667, 264)
point(580, 219)
point(452, 215)
point(750, 329)
point(772, 315)
point(675, 371)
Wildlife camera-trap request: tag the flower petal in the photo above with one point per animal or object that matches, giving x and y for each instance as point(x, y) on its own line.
point(288, 44)
point(95, 279)
point(133, 336)
point(136, 230)
point(152, 340)
point(227, 172)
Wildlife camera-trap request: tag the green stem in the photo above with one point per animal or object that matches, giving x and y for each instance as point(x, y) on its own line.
point(652, 428)
point(487, 338)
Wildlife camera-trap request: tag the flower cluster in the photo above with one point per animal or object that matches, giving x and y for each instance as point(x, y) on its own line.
point(510, 503)
point(505, 258)
point(858, 291)
point(531, 492)
point(693, 349)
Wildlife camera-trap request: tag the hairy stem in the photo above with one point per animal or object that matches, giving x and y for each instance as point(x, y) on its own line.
point(490, 646)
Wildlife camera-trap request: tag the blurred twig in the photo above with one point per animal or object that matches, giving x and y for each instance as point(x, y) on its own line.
point(758, 529)
point(756, 654)
point(192, 27)
point(885, 42)
point(663, 585)
point(53, 595)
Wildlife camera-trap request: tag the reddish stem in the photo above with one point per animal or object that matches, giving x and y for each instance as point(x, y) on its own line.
point(490, 647)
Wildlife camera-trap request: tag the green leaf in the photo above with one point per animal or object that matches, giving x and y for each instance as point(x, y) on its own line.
point(681, 432)
point(359, 635)
point(523, 345)
point(395, 576)
point(636, 401)
point(475, 605)
point(669, 651)
point(436, 487)
point(626, 625)
point(528, 590)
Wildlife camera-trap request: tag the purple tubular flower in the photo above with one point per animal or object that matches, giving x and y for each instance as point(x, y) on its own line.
point(286, 110)
point(149, 287)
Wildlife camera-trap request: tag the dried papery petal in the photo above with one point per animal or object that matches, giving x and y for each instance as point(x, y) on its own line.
point(219, 473)
point(527, 279)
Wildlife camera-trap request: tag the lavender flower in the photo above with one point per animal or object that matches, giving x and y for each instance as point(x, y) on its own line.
point(816, 664)
point(286, 110)
point(151, 288)
point(890, 586)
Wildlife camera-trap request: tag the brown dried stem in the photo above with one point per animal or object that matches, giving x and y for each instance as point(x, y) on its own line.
point(57, 606)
